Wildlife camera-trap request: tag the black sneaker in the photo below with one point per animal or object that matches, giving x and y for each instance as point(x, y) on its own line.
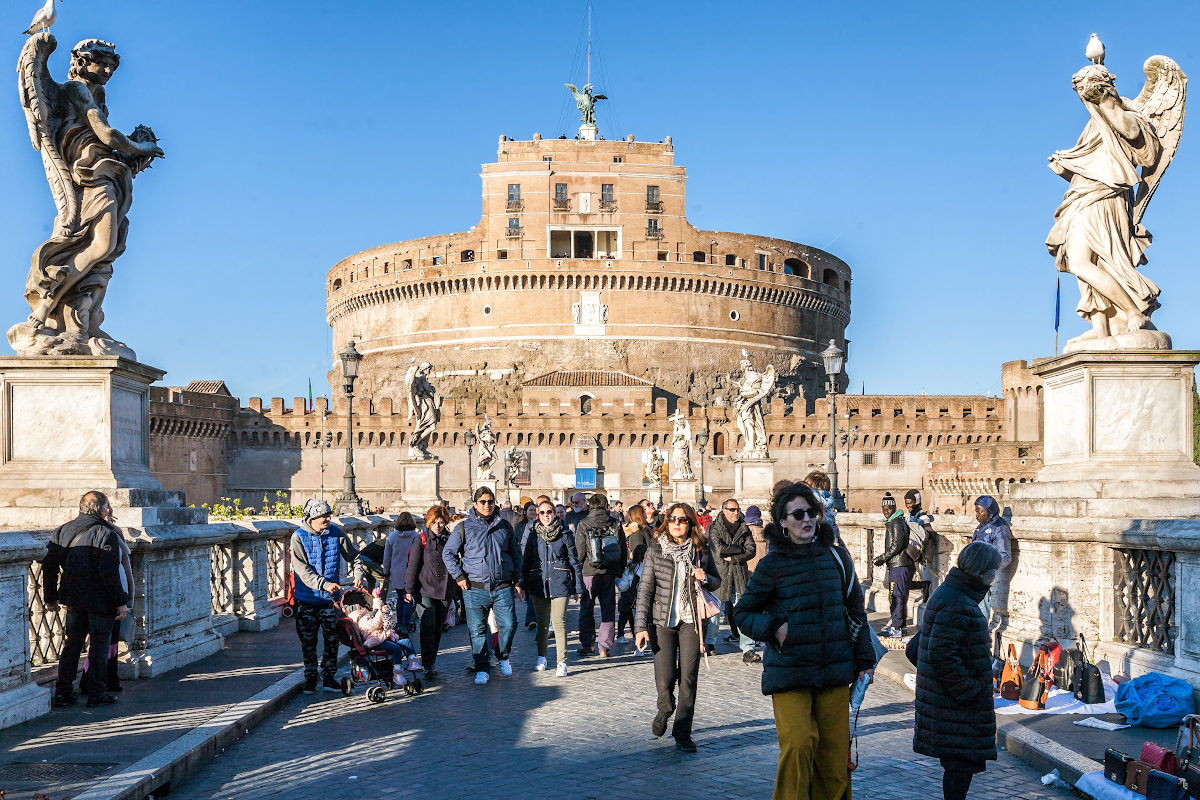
point(310, 684)
point(586, 651)
point(101, 700)
point(711, 649)
point(531, 626)
point(733, 637)
point(330, 684)
point(659, 726)
point(685, 744)
point(751, 657)
point(61, 700)
point(430, 672)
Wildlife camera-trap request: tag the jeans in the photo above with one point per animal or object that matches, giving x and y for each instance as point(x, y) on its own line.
point(477, 603)
point(98, 630)
point(625, 607)
point(311, 620)
point(530, 609)
point(899, 577)
point(714, 626)
point(431, 615)
point(397, 651)
point(551, 610)
point(598, 589)
point(680, 643)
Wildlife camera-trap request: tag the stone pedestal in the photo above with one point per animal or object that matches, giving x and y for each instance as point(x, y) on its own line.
point(73, 423)
point(420, 485)
point(685, 491)
point(753, 479)
point(20, 698)
point(1118, 439)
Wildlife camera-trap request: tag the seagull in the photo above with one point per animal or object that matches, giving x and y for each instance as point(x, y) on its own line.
point(1094, 51)
point(44, 18)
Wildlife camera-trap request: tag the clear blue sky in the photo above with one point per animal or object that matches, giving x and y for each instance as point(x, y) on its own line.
point(908, 139)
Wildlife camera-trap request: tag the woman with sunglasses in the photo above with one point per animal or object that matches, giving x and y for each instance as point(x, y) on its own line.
point(803, 600)
point(675, 563)
point(551, 575)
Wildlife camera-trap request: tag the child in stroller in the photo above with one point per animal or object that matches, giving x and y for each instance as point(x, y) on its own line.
point(378, 653)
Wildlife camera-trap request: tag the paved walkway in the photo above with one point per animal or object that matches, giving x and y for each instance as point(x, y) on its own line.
point(575, 737)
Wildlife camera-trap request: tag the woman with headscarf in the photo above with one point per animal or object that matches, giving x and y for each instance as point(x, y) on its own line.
point(993, 529)
point(955, 714)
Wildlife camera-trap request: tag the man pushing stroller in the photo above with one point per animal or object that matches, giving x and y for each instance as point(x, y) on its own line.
point(318, 549)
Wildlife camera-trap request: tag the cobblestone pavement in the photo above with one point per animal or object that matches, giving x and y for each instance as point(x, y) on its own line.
point(535, 735)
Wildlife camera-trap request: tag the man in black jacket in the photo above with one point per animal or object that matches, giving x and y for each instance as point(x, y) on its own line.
point(86, 553)
point(599, 583)
point(899, 565)
point(732, 546)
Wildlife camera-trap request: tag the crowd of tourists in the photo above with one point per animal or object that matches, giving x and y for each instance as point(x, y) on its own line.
point(787, 591)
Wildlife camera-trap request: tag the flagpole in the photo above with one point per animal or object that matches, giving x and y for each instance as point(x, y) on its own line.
point(1057, 306)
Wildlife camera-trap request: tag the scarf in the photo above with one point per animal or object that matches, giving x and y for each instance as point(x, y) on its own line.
point(684, 554)
point(548, 534)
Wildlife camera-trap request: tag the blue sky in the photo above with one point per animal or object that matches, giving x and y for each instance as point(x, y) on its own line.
point(908, 139)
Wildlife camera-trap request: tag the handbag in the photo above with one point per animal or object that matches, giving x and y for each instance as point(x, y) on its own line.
point(1160, 758)
point(1188, 758)
point(1036, 689)
point(1136, 776)
point(1011, 678)
point(1116, 764)
point(1161, 786)
point(1064, 670)
point(625, 582)
point(125, 631)
point(706, 602)
point(1089, 686)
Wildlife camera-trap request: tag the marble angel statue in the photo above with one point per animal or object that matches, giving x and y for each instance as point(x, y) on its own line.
point(654, 466)
point(487, 450)
point(681, 447)
point(753, 388)
point(424, 404)
point(512, 465)
point(1098, 235)
point(90, 167)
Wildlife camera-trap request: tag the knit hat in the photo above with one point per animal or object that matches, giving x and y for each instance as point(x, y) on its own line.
point(888, 500)
point(316, 508)
point(525, 501)
point(914, 495)
point(753, 515)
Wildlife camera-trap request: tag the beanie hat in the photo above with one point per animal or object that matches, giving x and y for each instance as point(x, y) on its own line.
point(316, 508)
point(753, 516)
point(525, 501)
point(888, 500)
point(914, 495)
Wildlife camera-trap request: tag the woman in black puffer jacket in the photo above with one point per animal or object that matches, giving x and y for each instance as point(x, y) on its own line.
point(956, 717)
point(798, 601)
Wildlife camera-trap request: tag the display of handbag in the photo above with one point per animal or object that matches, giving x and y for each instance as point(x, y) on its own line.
point(1089, 686)
point(1136, 776)
point(1116, 764)
point(1064, 670)
point(1160, 758)
point(1036, 689)
point(1010, 677)
point(1188, 758)
point(1161, 786)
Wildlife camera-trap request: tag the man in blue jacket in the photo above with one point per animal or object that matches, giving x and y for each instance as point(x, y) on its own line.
point(483, 556)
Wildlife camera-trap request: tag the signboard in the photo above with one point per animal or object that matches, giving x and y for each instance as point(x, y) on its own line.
point(585, 478)
point(521, 470)
point(663, 471)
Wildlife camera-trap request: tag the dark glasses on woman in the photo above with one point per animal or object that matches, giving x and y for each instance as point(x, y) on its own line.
point(678, 520)
point(801, 513)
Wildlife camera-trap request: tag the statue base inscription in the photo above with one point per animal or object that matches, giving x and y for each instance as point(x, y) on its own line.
point(420, 486)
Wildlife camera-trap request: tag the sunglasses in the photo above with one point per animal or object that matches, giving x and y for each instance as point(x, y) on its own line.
point(735, 509)
point(678, 520)
point(546, 513)
point(801, 513)
point(486, 502)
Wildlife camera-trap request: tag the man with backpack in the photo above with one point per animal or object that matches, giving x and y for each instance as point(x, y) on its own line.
point(920, 531)
point(899, 564)
point(600, 542)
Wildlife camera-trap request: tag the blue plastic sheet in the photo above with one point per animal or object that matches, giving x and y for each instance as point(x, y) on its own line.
point(1155, 701)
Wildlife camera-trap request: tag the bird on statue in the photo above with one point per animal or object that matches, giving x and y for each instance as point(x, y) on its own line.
point(44, 18)
point(1095, 50)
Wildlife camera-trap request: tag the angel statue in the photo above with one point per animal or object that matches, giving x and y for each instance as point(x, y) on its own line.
point(90, 167)
point(586, 101)
point(487, 450)
point(753, 388)
point(681, 447)
point(654, 466)
point(512, 465)
point(424, 403)
point(1098, 235)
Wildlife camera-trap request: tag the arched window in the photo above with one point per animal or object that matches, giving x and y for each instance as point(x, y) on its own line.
point(466, 255)
point(718, 444)
point(846, 287)
point(585, 405)
point(830, 278)
point(794, 266)
point(337, 284)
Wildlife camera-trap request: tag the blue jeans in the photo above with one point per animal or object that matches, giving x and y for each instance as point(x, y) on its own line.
point(714, 626)
point(477, 602)
point(404, 614)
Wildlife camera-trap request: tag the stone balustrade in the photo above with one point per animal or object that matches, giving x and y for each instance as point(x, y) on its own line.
point(1116, 581)
point(193, 585)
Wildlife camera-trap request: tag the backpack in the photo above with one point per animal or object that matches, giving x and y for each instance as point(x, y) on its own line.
point(917, 532)
point(604, 547)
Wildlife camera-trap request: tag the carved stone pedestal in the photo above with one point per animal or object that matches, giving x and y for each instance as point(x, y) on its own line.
point(420, 485)
point(753, 479)
point(685, 491)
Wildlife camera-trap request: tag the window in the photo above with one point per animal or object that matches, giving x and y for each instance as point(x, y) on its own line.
point(868, 459)
point(1022, 452)
point(966, 412)
point(718, 444)
point(502, 254)
point(560, 244)
point(560, 191)
point(920, 412)
point(585, 405)
point(466, 256)
point(896, 458)
point(875, 412)
point(731, 261)
point(337, 284)
point(846, 287)
point(897, 412)
point(408, 263)
point(794, 266)
point(618, 159)
point(514, 191)
point(437, 260)
point(653, 231)
point(651, 194)
point(662, 255)
point(547, 158)
point(762, 260)
point(606, 192)
point(830, 278)
point(514, 222)
point(734, 316)
point(699, 257)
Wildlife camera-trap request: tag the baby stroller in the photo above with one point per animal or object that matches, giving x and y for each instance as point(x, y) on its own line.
point(369, 664)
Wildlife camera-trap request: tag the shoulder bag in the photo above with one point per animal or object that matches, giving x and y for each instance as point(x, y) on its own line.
point(1161, 786)
point(1116, 765)
point(1011, 678)
point(1160, 758)
point(1188, 758)
point(1089, 686)
point(1037, 685)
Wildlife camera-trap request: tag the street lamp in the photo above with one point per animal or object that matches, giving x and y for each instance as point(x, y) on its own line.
point(470, 438)
point(834, 358)
point(702, 440)
point(349, 502)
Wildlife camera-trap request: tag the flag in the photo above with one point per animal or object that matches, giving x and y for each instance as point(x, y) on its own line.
point(310, 397)
point(1057, 300)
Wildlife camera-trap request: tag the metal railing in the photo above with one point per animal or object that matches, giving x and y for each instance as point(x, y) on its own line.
point(1144, 594)
point(512, 232)
point(562, 205)
point(654, 206)
point(514, 205)
point(609, 206)
point(654, 233)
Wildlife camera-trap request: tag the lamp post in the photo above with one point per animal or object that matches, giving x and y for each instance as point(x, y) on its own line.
point(834, 358)
point(349, 502)
point(702, 440)
point(470, 439)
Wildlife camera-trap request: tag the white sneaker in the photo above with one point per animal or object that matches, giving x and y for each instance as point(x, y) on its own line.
point(481, 678)
point(541, 664)
point(506, 667)
point(562, 669)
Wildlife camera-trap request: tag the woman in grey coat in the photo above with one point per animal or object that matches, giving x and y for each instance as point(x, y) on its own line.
point(395, 565)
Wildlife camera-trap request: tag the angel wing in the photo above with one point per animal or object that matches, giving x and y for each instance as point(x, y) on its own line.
point(574, 89)
point(408, 382)
point(766, 385)
point(1161, 101)
point(599, 97)
point(39, 93)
